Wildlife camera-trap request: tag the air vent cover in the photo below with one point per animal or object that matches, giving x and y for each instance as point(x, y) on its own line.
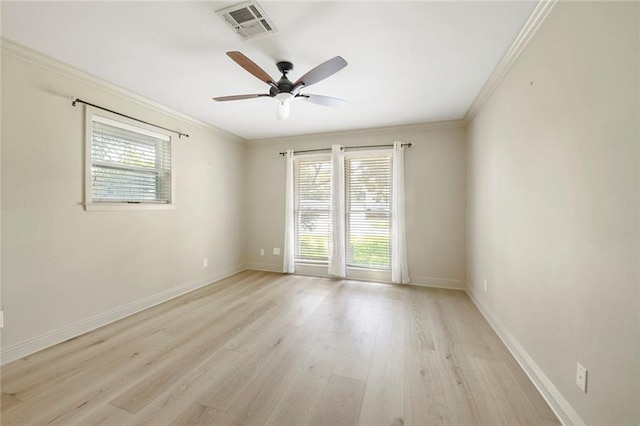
point(247, 19)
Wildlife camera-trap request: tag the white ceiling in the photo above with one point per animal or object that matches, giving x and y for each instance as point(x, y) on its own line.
point(409, 62)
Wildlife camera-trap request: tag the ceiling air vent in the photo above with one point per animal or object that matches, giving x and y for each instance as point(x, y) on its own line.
point(247, 20)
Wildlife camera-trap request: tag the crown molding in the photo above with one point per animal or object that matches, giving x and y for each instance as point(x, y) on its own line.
point(536, 19)
point(390, 130)
point(24, 53)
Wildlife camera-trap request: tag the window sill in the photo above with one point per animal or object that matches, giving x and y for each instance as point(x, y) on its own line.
point(127, 206)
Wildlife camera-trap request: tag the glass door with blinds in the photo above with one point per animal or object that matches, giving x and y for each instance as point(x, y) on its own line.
point(368, 187)
point(312, 204)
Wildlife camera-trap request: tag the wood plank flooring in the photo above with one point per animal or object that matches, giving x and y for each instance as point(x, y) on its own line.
point(266, 348)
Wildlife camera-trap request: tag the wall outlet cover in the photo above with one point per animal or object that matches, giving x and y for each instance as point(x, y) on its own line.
point(276, 251)
point(581, 378)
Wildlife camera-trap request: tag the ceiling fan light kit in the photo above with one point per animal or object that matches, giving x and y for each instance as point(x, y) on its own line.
point(284, 90)
point(284, 96)
point(282, 112)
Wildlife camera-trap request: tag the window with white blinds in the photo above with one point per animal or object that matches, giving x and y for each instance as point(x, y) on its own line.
point(312, 191)
point(128, 164)
point(368, 184)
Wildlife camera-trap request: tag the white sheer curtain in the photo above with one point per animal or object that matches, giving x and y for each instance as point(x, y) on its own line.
point(337, 265)
point(289, 225)
point(399, 266)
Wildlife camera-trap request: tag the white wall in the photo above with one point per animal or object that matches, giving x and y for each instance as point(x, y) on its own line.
point(65, 269)
point(554, 214)
point(435, 183)
point(551, 182)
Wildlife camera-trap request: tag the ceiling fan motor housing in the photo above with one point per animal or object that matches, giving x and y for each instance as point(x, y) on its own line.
point(284, 84)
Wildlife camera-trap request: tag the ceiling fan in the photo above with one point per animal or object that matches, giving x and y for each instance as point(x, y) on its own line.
point(284, 90)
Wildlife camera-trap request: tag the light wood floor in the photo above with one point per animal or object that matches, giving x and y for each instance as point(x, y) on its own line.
point(264, 348)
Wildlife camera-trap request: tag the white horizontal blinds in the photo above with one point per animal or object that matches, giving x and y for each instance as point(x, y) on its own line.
point(368, 184)
point(129, 164)
point(312, 219)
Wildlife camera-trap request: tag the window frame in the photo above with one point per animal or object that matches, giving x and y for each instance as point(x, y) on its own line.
point(132, 125)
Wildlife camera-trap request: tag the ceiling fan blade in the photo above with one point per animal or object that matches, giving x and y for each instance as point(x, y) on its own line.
point(321, 72)
point(239, 97)
point(251, 66)
point(323, 100)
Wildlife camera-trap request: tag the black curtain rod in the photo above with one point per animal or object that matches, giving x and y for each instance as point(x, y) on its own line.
point(408, 145)
point(76, 100)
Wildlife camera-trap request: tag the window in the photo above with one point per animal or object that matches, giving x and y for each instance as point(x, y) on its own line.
point(368, 183)
point(312, 186)
point(128, 166)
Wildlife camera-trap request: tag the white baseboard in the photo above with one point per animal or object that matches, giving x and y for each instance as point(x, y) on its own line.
point(267, 267)
point(447, 283)
point(51, 338)
point(361, 275)
point(560, 406)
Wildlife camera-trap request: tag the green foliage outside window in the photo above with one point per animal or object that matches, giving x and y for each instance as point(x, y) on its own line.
point(368, 251)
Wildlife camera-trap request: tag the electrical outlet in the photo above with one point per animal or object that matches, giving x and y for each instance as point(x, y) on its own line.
point(205, 262)
point(1, 319)
point(276, 251)
point(486, 285)
point(261, 252)
point(581, 378)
